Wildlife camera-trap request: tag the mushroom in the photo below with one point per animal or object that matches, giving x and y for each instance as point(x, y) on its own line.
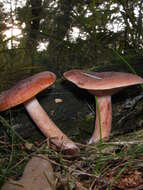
point(102, 85)
point(25, 92)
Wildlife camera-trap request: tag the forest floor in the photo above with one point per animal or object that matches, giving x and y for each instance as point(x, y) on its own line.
point(116, 164)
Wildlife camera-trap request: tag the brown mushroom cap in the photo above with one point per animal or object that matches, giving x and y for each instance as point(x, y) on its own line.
point(95, 82)
point(26, 89)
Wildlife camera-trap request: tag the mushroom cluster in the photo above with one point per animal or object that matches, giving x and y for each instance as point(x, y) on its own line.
point(102, 85)
point(25, 92)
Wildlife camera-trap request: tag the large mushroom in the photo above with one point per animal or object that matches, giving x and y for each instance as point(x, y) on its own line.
point(102, 85)
point(25, 92)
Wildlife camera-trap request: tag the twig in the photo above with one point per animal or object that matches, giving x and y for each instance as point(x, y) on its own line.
point(124, 143)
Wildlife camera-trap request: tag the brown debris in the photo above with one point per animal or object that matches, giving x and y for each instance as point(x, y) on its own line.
point(130, 180)
point(38, 175)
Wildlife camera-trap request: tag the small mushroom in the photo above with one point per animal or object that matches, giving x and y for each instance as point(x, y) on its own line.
point(102, 85)
point(25, 92)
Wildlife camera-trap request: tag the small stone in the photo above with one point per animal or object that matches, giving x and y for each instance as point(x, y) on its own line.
point(58, 100)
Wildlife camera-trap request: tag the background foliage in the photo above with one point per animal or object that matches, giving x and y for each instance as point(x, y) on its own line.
point(75, 34)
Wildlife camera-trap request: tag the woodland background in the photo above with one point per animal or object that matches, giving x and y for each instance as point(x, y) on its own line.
point(75, 34)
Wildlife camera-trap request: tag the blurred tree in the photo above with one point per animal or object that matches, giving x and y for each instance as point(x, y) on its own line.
point(30, 15)
point(132, 16)
point(78, 33)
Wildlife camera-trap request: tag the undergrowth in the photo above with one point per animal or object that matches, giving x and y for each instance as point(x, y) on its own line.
point(101, 164)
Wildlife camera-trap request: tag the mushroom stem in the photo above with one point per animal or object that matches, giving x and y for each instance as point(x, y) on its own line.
point(48, 127)
point(103, 119)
